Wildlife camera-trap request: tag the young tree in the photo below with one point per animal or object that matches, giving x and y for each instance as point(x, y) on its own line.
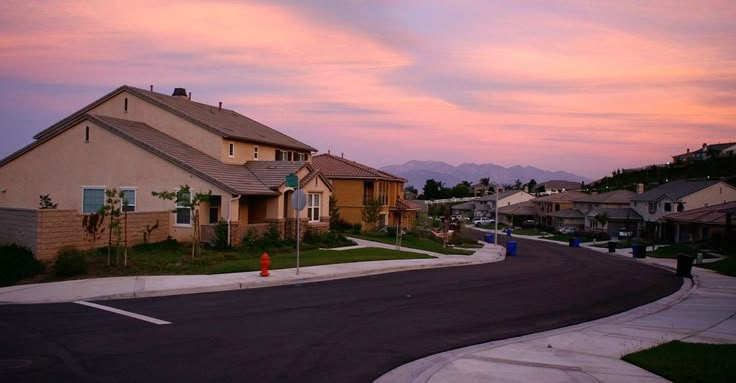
point(531, 185)
point(517, 184)
point(183, 197)
point(463, 189)
point(371, 212)
point(112, 209)
point(93, 227)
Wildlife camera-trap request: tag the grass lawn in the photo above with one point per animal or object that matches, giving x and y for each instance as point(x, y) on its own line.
point(413, 242)
point(173, 258)
point(725, 266)
point(688, 362)
point(671, 251)
point(530, 231)
point(619, 245)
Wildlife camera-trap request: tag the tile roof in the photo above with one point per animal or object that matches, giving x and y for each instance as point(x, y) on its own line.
point(416, 204)
point(710, 215)
point(568, 213)
point(224, 122)
point(616, 196)
point(568, 196)
point(464, 206)
point(675, 190)
point(501, 195)
point(523, 208)
point(557, 185)
point(618, 214)
point(337, 167)
point(236, 179)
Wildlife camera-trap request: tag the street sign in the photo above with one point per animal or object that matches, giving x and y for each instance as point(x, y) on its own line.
point(299, 200)
point(292, 181)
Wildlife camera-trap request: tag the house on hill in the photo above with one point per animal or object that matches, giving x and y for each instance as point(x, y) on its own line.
point(555, 186)
point(355, 184)
point(677, 197)
point(140, 141)
point(707, 151)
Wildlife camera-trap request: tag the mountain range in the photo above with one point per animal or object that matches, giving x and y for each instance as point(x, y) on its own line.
point(418, 172)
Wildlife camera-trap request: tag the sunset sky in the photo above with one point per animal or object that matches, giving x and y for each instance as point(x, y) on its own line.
point(582, 86)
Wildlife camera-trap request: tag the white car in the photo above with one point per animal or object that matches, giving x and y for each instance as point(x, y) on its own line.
point(483, 221)
point(567, 230)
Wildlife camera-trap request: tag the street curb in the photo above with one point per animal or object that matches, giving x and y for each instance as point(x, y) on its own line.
point(421, 370)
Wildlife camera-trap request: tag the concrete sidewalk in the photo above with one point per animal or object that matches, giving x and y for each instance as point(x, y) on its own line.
point(703, 310)
point(149, 286)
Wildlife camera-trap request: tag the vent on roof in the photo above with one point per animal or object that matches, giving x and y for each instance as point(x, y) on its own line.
point(180, 92)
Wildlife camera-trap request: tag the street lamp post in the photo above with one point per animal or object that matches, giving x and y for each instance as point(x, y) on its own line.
point(495, 221)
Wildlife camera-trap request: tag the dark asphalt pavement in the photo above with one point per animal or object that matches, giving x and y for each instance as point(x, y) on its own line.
point(351, 330)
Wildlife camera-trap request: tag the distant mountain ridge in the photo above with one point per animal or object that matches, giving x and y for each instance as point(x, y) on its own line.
point(418, 172)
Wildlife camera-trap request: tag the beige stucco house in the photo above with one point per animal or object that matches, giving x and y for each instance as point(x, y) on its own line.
point(140, 141)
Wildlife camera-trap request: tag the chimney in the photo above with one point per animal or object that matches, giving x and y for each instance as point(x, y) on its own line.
point(704, 145)
point(151, 88)
point(342, 155)
point(639, 188)
point(180, 93)
point(219, 108)
point(190, 96)
point(328, 151)
point(688, 150)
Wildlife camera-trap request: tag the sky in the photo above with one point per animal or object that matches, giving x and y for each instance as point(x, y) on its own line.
point(582, 86)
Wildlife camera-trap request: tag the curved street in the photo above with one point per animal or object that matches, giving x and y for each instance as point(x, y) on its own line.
point(350, 330)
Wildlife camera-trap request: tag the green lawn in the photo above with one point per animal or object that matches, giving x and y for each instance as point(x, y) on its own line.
point(413, 242)
point(688, 362)
point(173, 258)
point(671, 251)
point(725, 266)
point(530, 231)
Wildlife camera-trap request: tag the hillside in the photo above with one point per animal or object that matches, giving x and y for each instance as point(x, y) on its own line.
point(418, 172)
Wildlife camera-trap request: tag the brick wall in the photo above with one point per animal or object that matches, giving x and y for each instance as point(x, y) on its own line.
point(47, 231)
point(19, 226)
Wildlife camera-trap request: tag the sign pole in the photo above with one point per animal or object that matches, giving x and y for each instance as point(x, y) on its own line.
point(298, 237)
point(299, 201)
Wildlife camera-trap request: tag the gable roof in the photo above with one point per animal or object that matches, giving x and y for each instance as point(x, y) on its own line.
point(568, 196)
point(623, 213)
point(567, 213)
point(416, 204)
point(710, 215)
point(223, 122)
point(615, 196)
point(523, 208)
point(501, 195)
point(675, 190)
point(338, 167)
point(558, 185)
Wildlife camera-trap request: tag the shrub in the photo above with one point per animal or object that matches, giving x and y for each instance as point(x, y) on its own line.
point(327, 239)
point(220, 241)
point(70, 262)
point(17, 263)
point(357, 228)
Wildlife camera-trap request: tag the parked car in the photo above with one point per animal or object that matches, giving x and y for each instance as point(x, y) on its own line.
point(529, 223)
point(567, 230)
point(483, 221)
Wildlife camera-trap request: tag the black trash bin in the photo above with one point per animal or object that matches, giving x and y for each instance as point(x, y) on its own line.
point(611, 247)
point(571, 242)
point(684, 265)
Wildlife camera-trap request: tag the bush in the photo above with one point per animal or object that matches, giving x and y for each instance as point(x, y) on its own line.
point(70, 262)
point(357, 228)
point(341, 226)
point(220, 242)
point(326, 240)
point(17, 263)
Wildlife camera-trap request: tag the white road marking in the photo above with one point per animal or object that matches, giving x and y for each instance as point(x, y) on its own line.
point(123, 312)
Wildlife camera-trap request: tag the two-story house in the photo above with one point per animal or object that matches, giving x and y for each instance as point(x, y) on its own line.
point(140, 141)
point(609, 212)
point(355, 184)
point(554, 210)
point(678, 196)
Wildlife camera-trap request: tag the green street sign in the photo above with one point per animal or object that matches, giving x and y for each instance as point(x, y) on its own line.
point(292, 181)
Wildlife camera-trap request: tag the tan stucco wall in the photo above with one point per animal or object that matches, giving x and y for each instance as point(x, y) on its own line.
point(177, 127)
point(515, 198)
point(315, 185)
point(244, 152)
point(349, 194)
point(19, 226)
point(713, 195)
point(61, 166)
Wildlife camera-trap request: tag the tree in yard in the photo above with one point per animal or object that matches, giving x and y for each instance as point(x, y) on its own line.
point(45, 202)
point(463, 189)
point(371, 212)
point(602, 218)
point(184, 198)
point(410, 190)
point(532, 183)
point(485, 181)
point(517, 184)
point(113, 209)
point(334, 214)
point(93, 227)
point(434, 190)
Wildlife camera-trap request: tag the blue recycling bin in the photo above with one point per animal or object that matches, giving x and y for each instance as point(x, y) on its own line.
point(508, 232)
point(575, 242)
point(488, 237)
point(511, 248)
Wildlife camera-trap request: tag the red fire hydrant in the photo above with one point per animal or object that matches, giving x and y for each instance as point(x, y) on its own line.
point(265, 264)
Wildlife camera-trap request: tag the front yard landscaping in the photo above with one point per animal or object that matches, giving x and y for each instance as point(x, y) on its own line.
point(413, 241)
point(726, 266)
point(683, 362)
point(174, 258)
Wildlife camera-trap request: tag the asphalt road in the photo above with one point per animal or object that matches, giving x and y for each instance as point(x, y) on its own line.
point(351, 330)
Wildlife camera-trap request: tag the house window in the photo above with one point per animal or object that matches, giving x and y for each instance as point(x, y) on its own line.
point(652, 207)
point(255, 152)
point(300, 157)
point(680, 207)
point(129, 198)
point(231, 150)
point(313, 204)
point(125, 106)
point(667, 206)
point(86, 134)
point(183, 213)
point(93, 199)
